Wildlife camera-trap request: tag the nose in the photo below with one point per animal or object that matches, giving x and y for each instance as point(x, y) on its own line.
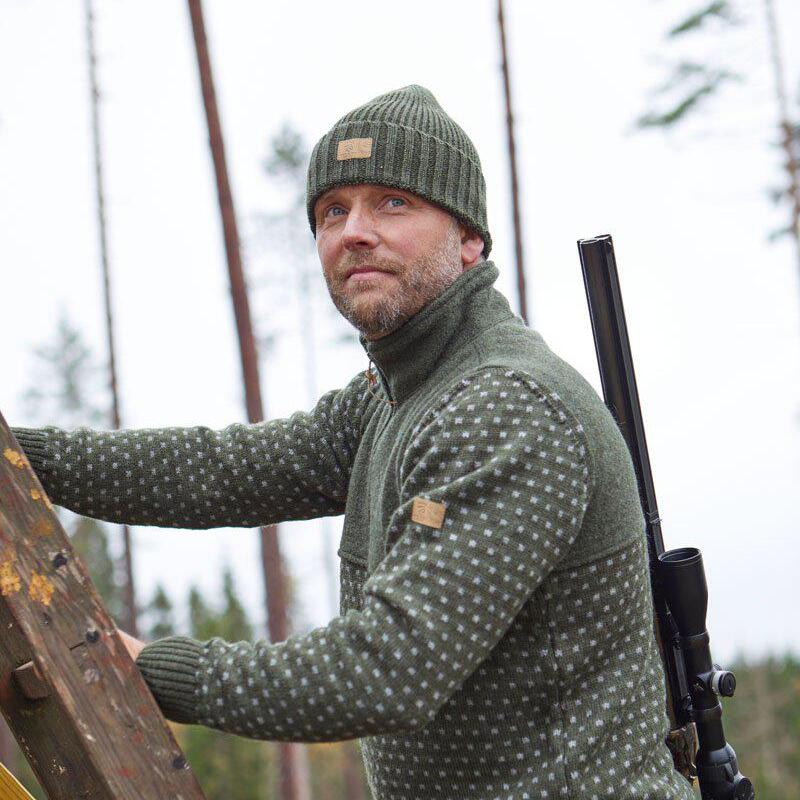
point(359, 231)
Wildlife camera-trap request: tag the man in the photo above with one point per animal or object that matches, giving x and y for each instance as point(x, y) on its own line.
point(495, 637)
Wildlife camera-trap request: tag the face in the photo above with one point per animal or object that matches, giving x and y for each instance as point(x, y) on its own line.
point(387, 253)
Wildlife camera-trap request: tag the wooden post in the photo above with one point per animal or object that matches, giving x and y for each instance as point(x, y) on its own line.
point(70, 692)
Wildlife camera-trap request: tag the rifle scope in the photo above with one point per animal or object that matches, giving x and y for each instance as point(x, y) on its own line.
point(683, 581)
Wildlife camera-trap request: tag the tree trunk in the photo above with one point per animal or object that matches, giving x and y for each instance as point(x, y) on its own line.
point(293, 770)
point(512, 161)
point(129, 595)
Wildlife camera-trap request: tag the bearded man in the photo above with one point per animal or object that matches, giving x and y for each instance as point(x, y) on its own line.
point(495, 637)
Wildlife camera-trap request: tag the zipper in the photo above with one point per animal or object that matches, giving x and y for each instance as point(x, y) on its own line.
point(384, 384)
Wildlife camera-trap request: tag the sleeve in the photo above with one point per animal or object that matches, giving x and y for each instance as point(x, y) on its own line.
point(195, 477)
point(510, 467)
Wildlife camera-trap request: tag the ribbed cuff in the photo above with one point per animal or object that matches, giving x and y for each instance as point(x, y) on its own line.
point(34, 442)
point(170, 667)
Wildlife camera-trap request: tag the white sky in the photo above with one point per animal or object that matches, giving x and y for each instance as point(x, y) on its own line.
point(713, 309)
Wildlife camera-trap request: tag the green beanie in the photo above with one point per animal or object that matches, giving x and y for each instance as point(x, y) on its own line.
point(403, 139)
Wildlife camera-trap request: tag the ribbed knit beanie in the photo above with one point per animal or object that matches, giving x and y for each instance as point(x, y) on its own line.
point(403, 139)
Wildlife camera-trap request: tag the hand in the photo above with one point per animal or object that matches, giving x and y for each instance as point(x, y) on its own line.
point(133, 646)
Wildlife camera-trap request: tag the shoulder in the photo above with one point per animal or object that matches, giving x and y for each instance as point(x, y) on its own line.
point(507, 405)
point(503, 391)
point(500, 428)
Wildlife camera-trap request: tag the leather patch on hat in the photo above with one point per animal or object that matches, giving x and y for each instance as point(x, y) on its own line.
point(427, 512)
point(354, 148)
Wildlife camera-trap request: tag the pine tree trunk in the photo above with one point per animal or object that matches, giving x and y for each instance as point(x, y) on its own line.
point(130, 622)
point(512, 163)
point(293, 769)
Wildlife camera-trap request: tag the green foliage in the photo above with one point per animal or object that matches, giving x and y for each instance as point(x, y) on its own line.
point(691, 83)
point(65, 381)
point(90, 540)
point(227, 766)
point(337, 771)
point(230, 767)
point(710, 81)
point(159, 615)
point(202, 619)
point(762, 723)
point(719, 9)
point(64, 391)
point(288, 156)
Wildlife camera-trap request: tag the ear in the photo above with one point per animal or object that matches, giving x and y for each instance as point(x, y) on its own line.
point(471, 247)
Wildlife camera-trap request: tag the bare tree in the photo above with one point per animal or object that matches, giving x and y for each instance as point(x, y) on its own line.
point(512, 165)
point(129, 620)
point(294, 779)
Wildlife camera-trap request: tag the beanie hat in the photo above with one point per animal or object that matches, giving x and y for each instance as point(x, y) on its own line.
point(403, 139)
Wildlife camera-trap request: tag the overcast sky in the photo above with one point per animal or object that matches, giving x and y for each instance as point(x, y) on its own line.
point(713, 309)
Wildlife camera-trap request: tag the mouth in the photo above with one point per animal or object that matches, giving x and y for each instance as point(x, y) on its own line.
point(363, 272)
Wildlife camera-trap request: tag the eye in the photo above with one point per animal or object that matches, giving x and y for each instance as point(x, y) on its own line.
point(329, 212)
point(393, 200)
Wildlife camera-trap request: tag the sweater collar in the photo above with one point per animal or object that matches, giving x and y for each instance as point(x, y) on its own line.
point(469, 306)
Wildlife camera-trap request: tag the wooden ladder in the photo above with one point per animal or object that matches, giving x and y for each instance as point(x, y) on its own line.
point(74, 699)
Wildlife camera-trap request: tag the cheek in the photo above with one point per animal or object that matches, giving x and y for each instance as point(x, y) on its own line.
point(415, 246)
point(326, 250)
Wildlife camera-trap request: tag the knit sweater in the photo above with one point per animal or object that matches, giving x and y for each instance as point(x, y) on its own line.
point(495, 637)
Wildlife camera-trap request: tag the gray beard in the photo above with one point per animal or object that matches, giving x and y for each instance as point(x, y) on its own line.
point(418, 284)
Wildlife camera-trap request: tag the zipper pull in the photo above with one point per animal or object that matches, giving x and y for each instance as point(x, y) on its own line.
point(372, 383)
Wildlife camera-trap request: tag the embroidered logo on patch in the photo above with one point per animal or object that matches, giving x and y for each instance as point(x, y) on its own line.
point(354, 148)
point(427, 512)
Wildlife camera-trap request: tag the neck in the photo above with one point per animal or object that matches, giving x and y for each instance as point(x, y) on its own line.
point(407, 356)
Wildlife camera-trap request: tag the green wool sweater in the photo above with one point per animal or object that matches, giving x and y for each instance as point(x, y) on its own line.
point(495, 637)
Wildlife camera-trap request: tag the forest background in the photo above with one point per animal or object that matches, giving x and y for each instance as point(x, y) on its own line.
point(712, 293)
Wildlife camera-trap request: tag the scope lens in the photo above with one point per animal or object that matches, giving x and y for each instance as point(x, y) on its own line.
point(680, 556)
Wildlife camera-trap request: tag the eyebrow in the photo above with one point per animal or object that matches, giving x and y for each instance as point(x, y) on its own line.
point(336, 190)
point(327, 195)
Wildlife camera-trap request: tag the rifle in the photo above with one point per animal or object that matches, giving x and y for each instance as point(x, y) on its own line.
point(677, 578)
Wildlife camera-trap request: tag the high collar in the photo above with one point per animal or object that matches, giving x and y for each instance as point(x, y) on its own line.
point(469, 306)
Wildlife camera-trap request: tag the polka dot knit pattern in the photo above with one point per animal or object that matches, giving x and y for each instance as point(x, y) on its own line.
point(506, 653)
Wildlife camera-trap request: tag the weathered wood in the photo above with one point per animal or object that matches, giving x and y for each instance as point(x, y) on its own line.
point(79, 708)
point(30, 682)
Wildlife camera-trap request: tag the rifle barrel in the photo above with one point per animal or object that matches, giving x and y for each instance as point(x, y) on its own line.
point(616, 370)
point(621, 396)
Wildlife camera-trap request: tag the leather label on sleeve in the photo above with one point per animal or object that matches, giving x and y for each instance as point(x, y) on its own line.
point(427, 512)
point(354, 148)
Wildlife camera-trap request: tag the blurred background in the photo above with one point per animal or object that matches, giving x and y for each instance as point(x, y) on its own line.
point(673, 125)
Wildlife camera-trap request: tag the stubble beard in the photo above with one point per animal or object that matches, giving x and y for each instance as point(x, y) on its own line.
point(413, 287)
